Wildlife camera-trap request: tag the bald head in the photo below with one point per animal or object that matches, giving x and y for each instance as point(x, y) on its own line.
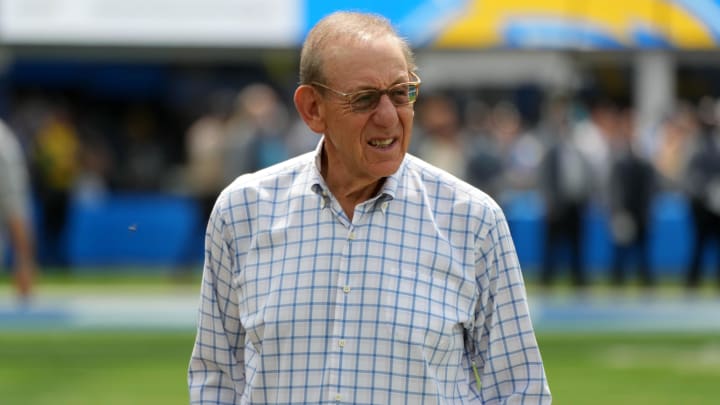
point(342, 29)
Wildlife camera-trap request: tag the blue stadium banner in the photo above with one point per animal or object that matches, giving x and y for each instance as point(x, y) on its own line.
point(418, 21)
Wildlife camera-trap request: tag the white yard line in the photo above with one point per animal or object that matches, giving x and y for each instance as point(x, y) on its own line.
point(632, 313)
point(177, 309)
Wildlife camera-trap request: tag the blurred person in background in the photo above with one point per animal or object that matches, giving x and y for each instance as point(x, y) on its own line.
point(55, 164)
point(255, 131)
point(300, 138)
point(675, 140)
point(632, 191)
point(592, 134)
point(15, 218)
point(702, 183)
point(205, 144)
point(237, 157)
point(519, 149)
point(484, 166)
point(96, 163)
point(358, 273)
point(205, 147)
point(566, 184)
point(439, 138)
point(144, 162)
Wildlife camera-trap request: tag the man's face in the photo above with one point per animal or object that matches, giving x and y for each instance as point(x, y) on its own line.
point(365, 146)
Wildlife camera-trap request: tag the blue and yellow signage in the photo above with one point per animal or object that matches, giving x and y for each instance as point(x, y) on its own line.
point(547, 24)
point(586, 24)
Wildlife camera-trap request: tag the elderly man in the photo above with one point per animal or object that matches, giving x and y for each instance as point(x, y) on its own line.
point(358, 273)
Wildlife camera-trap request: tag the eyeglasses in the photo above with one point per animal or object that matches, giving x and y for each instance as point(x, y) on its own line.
point(366, 100)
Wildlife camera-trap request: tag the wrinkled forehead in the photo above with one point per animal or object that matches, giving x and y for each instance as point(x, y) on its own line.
point(343, 43)
point(364, 52)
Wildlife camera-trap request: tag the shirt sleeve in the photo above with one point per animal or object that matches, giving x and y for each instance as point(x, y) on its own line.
point(503, 349)
point(216, 373)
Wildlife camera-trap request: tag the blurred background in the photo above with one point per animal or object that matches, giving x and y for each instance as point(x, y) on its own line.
point(594, 124)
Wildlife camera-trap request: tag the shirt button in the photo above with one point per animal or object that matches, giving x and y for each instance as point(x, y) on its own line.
point(351, 236)
point(338, 397)
point(341, 343)
point(346, 289)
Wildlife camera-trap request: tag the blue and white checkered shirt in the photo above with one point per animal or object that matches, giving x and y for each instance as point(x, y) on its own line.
point(398, 306)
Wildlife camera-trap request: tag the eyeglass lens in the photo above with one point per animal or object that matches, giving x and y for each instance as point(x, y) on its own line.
point(400, 94)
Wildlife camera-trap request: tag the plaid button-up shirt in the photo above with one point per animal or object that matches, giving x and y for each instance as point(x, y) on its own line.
point(418, 300)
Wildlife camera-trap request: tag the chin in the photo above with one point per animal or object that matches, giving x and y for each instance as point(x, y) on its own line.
point(386, 169)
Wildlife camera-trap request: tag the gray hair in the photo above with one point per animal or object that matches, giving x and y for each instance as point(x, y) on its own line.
point(348, 26)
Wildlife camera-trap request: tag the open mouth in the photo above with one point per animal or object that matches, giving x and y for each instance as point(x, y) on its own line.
point(381, 143)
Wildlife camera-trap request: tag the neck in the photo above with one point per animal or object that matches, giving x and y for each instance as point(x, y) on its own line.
point(350, 191)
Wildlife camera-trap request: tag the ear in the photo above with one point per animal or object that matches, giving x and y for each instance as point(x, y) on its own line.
point(309, 106)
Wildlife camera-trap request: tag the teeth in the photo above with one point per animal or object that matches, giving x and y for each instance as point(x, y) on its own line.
point(381, 143)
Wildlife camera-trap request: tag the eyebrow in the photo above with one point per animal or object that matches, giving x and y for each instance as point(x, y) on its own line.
point(368, 87)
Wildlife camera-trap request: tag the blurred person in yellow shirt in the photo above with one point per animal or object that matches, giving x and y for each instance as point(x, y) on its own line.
point(55, 165)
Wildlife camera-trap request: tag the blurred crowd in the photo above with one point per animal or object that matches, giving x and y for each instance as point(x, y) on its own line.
point(575, 151)
point(585, 152)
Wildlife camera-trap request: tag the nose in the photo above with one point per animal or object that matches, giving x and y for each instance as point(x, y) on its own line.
point(385, 113)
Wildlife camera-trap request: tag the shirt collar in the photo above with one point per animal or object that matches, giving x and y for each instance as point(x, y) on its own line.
point(387, 193)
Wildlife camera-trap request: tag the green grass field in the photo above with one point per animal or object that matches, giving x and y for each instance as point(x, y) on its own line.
point(633, 369)
point(39, 366)
point(77, 368)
